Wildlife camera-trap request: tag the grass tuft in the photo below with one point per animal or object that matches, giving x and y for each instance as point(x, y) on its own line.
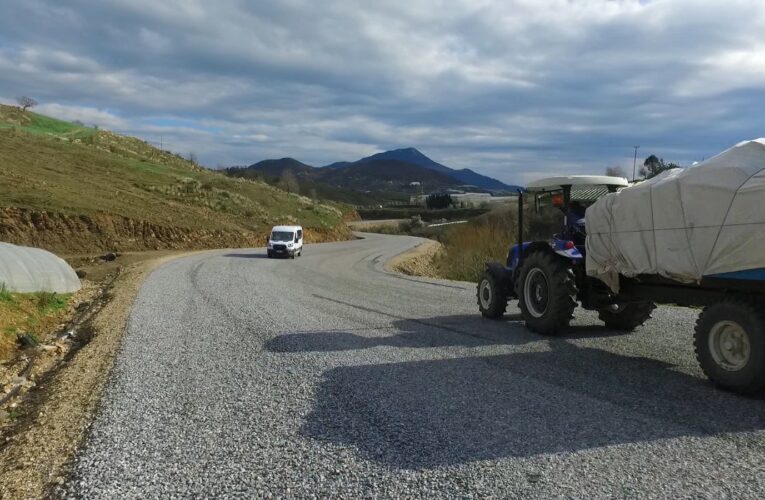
point(48, 302)
point(6, 297)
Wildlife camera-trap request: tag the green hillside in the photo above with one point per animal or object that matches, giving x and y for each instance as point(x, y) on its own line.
point(118, 192)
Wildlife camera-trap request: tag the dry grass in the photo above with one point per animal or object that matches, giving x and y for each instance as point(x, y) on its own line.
point(467, 247)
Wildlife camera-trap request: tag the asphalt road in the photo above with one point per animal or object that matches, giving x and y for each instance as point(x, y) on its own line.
point(325, 376)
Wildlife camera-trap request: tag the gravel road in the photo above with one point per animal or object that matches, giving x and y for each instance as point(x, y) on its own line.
point(325, 376)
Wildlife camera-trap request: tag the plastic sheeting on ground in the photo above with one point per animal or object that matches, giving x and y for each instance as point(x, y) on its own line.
point(27, 269)
point(685, 223)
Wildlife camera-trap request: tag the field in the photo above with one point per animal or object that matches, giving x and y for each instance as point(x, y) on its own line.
point(60, 176)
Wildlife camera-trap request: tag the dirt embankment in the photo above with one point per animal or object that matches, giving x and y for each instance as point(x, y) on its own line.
point(70, 234)
point(417, 261)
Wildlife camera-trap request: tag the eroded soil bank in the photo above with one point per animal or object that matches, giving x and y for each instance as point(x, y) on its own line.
point(72, 234)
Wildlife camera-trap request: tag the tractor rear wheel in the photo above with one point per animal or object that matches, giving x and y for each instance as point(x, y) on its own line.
point(546, 293)
point(628, 316)
point(492, 298)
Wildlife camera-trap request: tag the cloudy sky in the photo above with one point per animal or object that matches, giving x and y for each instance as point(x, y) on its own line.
point(512, 89)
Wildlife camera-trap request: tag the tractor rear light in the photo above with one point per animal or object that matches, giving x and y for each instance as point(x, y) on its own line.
point(569, 245)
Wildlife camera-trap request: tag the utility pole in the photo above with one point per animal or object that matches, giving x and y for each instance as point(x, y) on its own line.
point(634, 163)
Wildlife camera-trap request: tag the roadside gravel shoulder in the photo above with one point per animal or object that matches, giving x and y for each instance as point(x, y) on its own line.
point(37, 455)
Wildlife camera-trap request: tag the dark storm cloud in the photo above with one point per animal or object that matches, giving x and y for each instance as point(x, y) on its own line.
point(510, 89)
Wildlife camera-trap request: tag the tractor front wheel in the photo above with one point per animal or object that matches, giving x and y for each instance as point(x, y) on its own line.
point(492, 298)
point(547, 293)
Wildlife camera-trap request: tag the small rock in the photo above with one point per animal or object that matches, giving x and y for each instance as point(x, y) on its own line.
point(27, 340)
point(81, 273)
point(533, 477)
point(109, 257)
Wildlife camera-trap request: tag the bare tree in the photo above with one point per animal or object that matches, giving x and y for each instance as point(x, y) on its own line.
point(193, 158)
point(615, 172)
point(26, 102)
point(289, 183)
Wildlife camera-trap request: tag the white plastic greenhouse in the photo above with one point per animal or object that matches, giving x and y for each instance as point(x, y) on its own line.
point(27, 269)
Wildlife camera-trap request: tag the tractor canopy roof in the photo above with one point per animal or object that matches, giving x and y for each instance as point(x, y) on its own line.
point(556, 183)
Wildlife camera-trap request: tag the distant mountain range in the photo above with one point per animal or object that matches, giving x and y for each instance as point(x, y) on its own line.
point(387, 175)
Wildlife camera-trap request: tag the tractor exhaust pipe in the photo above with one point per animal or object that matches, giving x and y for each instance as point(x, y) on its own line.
point(520, 228)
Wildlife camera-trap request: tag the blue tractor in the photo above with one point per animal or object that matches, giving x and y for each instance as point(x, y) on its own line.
point(549, 280)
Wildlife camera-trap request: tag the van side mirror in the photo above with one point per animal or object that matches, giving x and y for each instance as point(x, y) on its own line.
point(297, 239)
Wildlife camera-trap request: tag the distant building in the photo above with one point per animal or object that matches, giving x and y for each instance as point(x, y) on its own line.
point(466, 199)
point(415, 184)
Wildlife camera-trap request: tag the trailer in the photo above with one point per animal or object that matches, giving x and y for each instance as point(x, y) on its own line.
point(610, 256)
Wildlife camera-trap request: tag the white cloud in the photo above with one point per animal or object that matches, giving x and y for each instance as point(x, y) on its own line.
point(503, 87)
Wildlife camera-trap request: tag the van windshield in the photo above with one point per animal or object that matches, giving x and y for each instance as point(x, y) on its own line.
point(282, 236)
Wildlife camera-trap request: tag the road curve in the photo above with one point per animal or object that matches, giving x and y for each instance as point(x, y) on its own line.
point(325, 376)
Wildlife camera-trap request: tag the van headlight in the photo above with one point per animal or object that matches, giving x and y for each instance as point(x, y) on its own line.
point(289, 245)
point(270, 245)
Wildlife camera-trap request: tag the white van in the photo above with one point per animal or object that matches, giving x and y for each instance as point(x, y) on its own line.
point(285, 241)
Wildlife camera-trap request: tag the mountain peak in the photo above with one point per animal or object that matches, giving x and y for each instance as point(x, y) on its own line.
point(406, 150)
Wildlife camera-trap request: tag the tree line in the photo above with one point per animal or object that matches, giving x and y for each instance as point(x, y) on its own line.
point(652, 166)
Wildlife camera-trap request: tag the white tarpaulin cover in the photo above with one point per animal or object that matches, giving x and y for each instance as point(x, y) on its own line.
point(26, 269)
point(685, 223)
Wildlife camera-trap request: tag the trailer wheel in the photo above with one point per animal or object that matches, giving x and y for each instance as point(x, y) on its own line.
point(492, 299)
point(626, 317)
point(546, 293)
point(730, 345)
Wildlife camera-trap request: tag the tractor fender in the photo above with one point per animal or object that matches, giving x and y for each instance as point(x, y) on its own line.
point(555, 248)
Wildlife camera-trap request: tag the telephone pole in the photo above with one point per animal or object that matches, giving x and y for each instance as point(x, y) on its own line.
point(634, 163)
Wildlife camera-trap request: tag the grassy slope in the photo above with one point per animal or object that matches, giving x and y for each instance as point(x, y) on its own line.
point(33, 314)
point(51, 165)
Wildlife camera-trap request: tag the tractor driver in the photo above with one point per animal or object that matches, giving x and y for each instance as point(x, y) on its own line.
point(575, 222)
